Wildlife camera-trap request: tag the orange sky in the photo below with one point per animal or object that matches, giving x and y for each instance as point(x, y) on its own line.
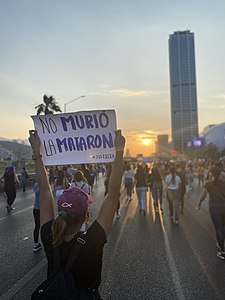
point(141, 142)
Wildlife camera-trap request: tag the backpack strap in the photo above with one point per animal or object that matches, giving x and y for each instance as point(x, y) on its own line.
point(79, 243)
point(57, 262)
point(82, 186)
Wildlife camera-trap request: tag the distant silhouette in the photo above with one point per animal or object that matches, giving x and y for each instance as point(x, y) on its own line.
point(24, 177)
point(10, 181)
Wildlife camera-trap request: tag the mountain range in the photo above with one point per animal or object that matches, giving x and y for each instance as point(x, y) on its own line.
point(14, 149)
point(20, 141)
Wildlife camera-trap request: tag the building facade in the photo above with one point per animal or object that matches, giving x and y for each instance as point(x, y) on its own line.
point(183, 91)
point(216, 135)
point(162, 143)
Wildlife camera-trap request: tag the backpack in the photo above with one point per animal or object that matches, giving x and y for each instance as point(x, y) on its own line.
point(60, 284)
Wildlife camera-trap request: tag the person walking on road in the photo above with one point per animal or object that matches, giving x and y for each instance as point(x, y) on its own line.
point(157, 186)
point(36, 213)
point(64, 230)
point(79, 181)
point(10, 182)
point(216, 190)
point(60, 184)
point(180, 170)
point(200, 173)
point(141, 189)
point(173, 182)
point(87, 175)
point(24, 178)
point(128, 178)
point(190, 176)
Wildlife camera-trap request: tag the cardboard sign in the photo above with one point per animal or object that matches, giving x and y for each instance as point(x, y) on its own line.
point(78, 137)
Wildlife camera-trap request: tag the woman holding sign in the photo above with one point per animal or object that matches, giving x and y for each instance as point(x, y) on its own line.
point(63, 232)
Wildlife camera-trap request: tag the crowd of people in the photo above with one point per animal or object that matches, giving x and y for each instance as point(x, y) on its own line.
point(72, 189)
point(172, 180)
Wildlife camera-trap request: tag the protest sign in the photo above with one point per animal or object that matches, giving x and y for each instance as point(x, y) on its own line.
point(78, 137)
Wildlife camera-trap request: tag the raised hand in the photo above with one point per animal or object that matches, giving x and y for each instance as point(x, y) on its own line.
point(34, 142)
point(119, 141)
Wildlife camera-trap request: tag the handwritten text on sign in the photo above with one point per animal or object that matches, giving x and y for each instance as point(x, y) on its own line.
point(79, 137)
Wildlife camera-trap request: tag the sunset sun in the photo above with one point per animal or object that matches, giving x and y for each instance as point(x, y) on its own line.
point(146, 141)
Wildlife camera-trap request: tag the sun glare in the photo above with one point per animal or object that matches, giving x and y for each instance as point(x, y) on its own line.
point(146, 141)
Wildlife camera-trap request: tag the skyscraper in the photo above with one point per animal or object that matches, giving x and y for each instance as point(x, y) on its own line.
point(162, 143)
point(184, 111)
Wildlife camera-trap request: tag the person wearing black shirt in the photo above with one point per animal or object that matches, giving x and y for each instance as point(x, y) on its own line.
point(216, 190)
point(157, 188)
point(140, 179)
point(10, 181)
point(64, 230)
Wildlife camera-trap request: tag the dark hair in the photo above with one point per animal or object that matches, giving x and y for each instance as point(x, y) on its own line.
point(215, 170)
point(78, 176)
point(60, 177)
point(83, 166)
point(173, 173)
point(128, 167)
point(10, 171)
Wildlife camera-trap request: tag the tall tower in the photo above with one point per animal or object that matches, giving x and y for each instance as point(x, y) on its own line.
point(162, 142)
point(184, 111)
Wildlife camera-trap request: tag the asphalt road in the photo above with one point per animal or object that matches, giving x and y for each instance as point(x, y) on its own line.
point(145, 257)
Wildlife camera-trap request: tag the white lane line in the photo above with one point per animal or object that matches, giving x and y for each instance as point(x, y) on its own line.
point(23, 281)
point(18, 212)
point(173, 268)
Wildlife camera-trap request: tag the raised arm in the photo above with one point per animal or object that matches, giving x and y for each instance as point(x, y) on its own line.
point(46, 197)
point(109, 206)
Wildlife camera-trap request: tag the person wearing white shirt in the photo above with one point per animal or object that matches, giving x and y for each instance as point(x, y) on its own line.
point(79, 181)
point(173, 182)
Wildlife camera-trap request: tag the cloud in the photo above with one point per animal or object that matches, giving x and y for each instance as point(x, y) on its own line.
point(130, 92)
point(106, 90)
point(96, 94)
point(139, 135)
point(221, 96)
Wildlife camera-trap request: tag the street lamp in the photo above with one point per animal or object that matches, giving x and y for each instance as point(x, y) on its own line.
point(65, 104)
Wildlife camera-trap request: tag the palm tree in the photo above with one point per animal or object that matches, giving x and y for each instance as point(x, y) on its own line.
point(48, 107)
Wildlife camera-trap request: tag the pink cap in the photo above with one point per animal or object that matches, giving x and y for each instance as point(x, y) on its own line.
point(74, 201)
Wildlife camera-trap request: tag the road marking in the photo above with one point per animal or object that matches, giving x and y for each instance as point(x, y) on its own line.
point(18, 212)
point(23, 281)
point(172, 265)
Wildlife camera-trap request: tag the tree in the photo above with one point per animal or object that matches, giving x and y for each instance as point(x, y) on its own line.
point(212, 152)
point(48, 107)
point(209, 152)
point(223, 152)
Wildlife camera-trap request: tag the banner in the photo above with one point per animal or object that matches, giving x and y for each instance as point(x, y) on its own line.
point(78, 137)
